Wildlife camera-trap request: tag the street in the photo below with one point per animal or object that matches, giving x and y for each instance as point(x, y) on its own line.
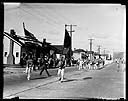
point(78, 84)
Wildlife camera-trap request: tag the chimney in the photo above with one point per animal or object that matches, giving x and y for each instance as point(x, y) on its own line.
point(44, 40)
point(11, 58)
point(44, 43)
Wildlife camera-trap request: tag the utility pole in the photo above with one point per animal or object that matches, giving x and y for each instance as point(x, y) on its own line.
point(104, 53)
point(99, 47)
point(90, 46)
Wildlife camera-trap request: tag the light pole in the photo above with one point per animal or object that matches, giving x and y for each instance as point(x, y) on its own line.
point(104, 53)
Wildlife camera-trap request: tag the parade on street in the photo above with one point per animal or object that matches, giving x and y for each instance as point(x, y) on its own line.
point(106, 83)
point(64, 51)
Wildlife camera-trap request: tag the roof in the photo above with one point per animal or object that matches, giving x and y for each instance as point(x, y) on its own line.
point(13, 38)
point(82, 50)
point(60, 47)
point(89, 52)
point(31, 44)
point(78, 51)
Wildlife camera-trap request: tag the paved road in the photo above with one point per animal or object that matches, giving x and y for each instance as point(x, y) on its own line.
point(15, 80)
point(104, 83)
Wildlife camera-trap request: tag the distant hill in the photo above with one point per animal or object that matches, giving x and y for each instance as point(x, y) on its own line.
point(118, 55)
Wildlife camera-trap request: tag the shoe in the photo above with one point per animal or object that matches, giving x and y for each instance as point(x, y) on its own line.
point(28, 78)
point(59, 79)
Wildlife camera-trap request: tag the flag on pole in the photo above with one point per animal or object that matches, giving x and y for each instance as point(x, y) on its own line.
point(67, 40)
point(28, 34)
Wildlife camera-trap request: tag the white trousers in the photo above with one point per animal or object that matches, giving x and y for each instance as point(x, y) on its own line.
point(28, 71)
point(61, 73)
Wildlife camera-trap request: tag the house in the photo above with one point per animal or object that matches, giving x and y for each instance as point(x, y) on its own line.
point(78, 53)
point(60, 50)
point(11, 48)
point(16, 47)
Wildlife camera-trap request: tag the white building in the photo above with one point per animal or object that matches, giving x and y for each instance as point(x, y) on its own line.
point(6, 50)
point(77, 54)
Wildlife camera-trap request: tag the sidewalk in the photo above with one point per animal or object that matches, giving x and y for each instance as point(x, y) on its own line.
point(14, 69)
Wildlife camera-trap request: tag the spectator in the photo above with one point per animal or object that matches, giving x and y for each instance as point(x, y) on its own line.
point(21, 61)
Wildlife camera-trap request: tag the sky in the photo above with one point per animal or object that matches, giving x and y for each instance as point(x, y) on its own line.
point(105, 23)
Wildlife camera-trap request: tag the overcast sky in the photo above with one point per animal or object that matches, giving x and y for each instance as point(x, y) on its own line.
point(106, 24)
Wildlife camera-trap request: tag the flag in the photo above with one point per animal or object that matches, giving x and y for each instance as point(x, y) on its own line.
point(67, 40)
point(28, 34)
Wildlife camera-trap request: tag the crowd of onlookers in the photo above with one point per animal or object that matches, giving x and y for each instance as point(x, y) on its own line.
point(52, 62)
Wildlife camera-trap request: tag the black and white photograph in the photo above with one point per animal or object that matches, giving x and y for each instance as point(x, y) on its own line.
point(64, 51)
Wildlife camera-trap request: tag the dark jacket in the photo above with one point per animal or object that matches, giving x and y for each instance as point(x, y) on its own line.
point(61, 64)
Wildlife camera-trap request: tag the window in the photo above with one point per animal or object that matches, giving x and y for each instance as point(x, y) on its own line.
point(17, 54)
point(5, 54)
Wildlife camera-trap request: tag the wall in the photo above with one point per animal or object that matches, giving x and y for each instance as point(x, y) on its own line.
point(6, 46)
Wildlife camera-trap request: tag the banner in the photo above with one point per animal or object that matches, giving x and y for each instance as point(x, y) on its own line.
point(67, 40)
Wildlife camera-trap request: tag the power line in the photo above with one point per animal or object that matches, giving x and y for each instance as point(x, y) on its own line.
point(46, 16)
point(39, 18)
point(53, 13)
point(53, 10)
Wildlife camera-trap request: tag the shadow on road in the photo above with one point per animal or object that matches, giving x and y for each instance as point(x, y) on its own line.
point(39, 78)
point(68, 80)
point(87, 78)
